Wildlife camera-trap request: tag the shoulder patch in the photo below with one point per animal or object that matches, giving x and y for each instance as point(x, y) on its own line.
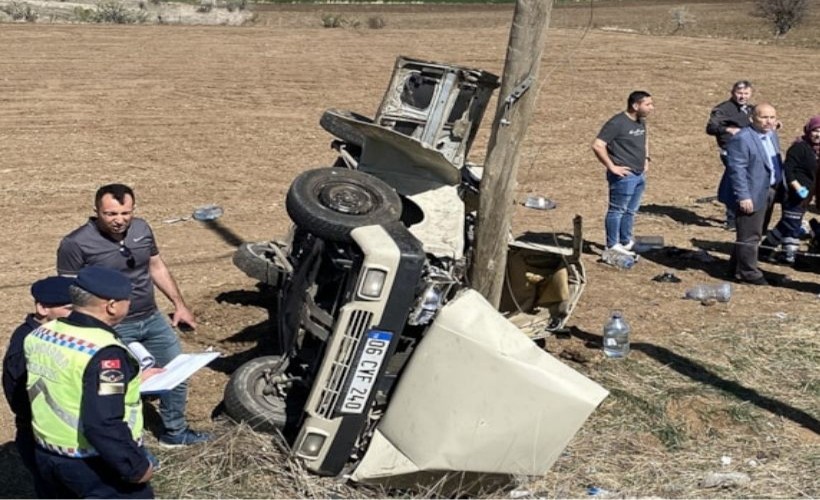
point(110, 364)
point(107, 389)
point(112, 376)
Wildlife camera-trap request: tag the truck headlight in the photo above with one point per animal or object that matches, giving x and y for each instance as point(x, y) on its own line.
point(312, 445)
point(373, 283)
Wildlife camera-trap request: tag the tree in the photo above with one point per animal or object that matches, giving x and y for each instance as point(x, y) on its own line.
point(681, 17)
point(783, 14)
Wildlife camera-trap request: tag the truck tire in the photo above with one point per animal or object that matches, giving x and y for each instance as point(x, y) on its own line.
point(331, 202)
point(245, 398)
point(252, 259)
point(333, 120)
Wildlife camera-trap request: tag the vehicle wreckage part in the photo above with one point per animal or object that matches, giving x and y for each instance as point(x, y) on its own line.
point(439, 284)
point(254, 393)
point(330, 202)
point(346, 158)
point(349, 371)
point(477, 396)
point(441, 231)
point(545, 274)
point(263, 261)
point(386, 150)
point(439, 105)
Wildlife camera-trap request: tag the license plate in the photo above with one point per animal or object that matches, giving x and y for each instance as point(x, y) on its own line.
point(366, 371)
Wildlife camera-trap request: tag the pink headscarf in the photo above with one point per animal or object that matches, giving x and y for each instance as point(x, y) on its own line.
point(813, 123)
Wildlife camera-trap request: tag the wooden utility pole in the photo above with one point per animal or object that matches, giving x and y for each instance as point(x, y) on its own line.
point(519, 89)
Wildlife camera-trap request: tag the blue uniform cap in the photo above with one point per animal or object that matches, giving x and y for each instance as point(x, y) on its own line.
point(104, 283)
point(52, 291)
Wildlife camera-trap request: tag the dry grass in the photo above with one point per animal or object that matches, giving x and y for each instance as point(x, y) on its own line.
point(672, 418)
point(240, 463)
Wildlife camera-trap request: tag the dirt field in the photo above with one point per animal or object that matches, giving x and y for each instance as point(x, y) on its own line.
point(197, 115)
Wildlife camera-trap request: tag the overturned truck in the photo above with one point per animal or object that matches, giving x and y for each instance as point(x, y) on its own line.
point(390, 368)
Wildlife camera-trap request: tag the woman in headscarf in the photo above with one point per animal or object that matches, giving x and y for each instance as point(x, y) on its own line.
point(800, 169)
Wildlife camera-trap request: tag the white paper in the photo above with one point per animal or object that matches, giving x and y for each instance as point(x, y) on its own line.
point(141, 353)
point(176, 372)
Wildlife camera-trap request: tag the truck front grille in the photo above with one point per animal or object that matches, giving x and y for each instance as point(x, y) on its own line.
point(358, 323)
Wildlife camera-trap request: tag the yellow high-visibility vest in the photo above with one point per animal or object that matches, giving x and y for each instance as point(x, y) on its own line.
point(57, 354)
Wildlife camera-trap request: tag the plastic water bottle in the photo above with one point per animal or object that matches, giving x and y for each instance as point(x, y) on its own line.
point(721, 292)
point(539, 202)
point(618, 259)
point(616, 336)
point(208, 212)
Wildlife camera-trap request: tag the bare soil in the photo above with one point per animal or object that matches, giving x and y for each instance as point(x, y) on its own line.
point(195, 115)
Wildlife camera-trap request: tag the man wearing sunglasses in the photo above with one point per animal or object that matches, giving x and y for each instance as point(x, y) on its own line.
point(115, 239)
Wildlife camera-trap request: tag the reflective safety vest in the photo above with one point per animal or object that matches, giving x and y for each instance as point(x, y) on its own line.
point(57, 354)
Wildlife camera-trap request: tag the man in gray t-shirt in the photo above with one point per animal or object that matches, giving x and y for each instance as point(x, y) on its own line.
point(115, 239)
point(622, 147)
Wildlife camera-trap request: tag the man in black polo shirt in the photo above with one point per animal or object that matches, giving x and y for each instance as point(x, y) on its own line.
point(622, 148)
point(115, 239)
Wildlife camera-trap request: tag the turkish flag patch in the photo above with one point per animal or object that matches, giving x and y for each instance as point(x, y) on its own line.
point(110, 364)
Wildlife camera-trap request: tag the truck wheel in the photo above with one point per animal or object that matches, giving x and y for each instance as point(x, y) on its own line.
point(251, 395)
point(253, 259)
point(331, 202)
point(335, 121)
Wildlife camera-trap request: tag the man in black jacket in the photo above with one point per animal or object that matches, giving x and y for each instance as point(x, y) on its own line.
point(51, 301)
point(726, 120)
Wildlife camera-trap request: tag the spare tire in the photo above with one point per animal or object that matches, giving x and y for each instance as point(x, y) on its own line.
point(336, 121)
point(253, 260)
point(251, 397)
point(331, 202)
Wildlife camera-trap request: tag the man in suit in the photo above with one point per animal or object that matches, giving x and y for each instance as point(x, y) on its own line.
point(753, 178)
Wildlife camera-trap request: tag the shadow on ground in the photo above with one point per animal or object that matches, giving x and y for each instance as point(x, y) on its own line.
point(697, 372)
point(704, 259)
point(224, 232)
point(263, 334)
point(681, 215)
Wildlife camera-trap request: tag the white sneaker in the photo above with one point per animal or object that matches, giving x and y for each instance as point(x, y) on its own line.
point(621, 249)
point(629, 246)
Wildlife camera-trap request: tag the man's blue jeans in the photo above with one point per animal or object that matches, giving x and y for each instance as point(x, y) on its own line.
point(156, 335)
point(624, 201)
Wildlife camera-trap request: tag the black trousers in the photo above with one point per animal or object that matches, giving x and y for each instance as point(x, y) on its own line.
point(66, 477)
point(24, 439)
point(750, 229)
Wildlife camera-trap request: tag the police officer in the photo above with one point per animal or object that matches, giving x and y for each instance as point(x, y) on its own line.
point(83, 385)
point(51, 301)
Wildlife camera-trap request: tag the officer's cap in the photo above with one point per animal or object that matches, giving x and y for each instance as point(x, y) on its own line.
point(52, 291)
point(104, 283)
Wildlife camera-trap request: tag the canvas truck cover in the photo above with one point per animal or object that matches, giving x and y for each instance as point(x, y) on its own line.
point(478, 396)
